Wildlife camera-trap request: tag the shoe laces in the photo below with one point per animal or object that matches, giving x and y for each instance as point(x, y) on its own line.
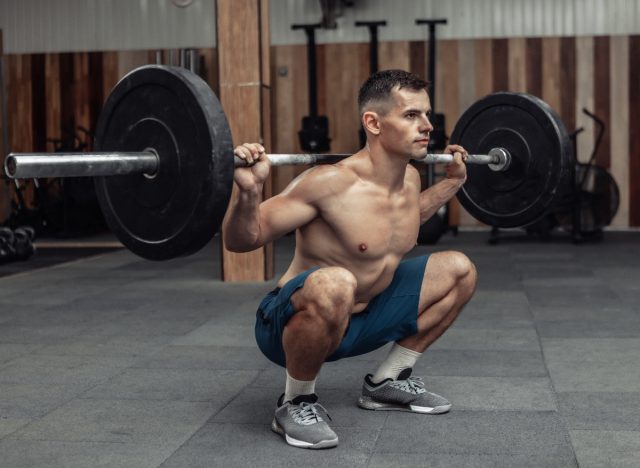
point(413, 385)
point(307, 413)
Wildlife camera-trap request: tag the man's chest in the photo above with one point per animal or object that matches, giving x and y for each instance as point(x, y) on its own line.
point(375, 225)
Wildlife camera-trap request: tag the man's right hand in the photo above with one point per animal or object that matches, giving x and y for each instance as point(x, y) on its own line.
point(252, 177)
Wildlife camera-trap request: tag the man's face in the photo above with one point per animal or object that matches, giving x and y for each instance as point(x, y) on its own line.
point(405, 128)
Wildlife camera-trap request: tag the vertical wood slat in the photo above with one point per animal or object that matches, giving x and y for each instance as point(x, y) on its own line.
point(5, 192)
point(568, 82)
point(52, 99)
point(619, 123)
point(602, 90)
point(517, 52)
point(500, 64)
point(483, 67)
point(96, 89)
point(265, 116)
point(290, 104)
point(81, 89)
point(551, 72)
point(634, 131)
point(239, 59)
point(584, 96)
point(67, 95)
point(534, 66)
point(38, 93)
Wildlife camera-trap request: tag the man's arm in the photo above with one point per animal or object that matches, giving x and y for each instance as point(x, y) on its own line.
point(250, 222)
point(438, 194)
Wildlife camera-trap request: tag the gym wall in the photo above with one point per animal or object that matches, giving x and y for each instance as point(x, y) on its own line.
point(63, 57)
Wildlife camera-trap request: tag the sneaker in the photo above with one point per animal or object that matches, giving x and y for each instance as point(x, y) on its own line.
point(302, 423)
point(406, 393)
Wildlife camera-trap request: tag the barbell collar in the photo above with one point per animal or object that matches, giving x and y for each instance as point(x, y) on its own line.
point(39, 165)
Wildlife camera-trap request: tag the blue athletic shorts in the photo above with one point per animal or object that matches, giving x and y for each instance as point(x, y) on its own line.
point(390, 316)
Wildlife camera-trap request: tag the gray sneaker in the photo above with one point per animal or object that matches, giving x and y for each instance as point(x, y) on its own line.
point(302, 423)
point(406, 393)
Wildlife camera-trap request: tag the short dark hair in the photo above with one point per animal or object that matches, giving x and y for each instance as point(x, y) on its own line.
point(378, 86)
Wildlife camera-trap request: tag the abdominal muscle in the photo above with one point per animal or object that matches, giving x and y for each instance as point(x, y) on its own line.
point(372, 267)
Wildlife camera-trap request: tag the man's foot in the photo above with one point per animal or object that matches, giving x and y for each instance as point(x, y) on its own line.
point(302, 423)
point(406, 393)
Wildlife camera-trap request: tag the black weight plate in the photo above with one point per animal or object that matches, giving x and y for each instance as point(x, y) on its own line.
point(541, 165)
point(174, 112)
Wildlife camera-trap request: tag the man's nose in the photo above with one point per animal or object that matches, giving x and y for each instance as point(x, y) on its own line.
point(426, 125)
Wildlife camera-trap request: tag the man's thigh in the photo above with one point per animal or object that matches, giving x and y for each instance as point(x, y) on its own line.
point(390, 316)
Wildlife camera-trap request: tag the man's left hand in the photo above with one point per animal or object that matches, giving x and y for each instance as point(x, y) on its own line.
point(457, 168)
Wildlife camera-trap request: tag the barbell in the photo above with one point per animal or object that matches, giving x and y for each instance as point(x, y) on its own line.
point(163, 165)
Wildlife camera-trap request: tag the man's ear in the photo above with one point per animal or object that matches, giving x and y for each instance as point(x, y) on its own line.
point(371, 122)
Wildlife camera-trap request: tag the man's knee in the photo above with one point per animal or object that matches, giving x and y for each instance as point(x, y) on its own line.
point(328, 293)
point(464, 272)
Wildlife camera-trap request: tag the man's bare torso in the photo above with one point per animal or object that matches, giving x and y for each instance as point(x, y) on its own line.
point(360, 226)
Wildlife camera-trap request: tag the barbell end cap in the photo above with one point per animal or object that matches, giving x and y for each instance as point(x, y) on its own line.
point(10, 166)
point(503, 158)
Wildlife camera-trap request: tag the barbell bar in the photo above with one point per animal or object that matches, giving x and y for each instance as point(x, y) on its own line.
point(163, 166)
point(38, 165)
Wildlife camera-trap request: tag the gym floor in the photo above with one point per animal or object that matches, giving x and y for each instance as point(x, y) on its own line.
point(115, 361)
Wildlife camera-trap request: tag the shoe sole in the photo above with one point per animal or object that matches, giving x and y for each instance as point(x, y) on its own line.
point(370, 404)
point(278, 429)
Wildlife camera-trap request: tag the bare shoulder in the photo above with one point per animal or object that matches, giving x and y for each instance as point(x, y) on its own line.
point(320, 182)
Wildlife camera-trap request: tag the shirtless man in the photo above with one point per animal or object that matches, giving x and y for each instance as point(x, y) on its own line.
point(347, 290)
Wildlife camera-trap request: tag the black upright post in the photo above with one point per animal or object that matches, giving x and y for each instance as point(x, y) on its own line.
point(373, 58)
point(373, 42)
point(314, 135)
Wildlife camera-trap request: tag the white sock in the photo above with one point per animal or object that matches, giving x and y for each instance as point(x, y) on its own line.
point(397, 360)
point(294, 388)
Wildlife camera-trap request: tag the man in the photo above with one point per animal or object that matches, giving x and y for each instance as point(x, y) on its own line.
point(347, 290)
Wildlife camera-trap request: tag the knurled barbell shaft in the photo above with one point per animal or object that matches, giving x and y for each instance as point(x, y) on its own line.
point(38, 165)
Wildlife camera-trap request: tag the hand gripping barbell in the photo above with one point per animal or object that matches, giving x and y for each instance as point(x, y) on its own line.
point(164, 172)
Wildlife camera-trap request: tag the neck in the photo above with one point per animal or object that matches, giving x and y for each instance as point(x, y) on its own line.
point(387, 169)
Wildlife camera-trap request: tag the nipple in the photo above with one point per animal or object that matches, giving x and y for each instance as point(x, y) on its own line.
point(362, 247)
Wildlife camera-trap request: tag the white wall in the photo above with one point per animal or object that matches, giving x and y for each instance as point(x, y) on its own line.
point(467, 19)
point(78, 25)
point(81, 25)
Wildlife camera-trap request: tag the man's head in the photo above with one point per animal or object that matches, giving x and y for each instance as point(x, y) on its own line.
point(376, 93)
point(394, 111)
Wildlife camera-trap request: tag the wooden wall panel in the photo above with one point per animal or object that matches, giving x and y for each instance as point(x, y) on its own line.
point(517, 52)
point(483, 67)
point(394, 55)
point(619, 123)
point(110, 72)
point(602, 91)
point(240, 28)
point(38, 102)
point(418, 58)
point(346, 68)
point(52, 99)
point(634, 131)
point(81, 89)
point(534, 66)
point(568, 82)
point(500, 64)
point(67, 95)
point(289, 104)
point(551, 72)
point(5, 192)
point(20, 115)
point(584, 96)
